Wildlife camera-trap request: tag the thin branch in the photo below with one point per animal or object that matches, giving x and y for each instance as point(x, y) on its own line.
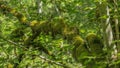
point(42, 57)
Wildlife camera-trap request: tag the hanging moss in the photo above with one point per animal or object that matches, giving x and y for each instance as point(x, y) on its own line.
point(80, 52)
point(95, 43)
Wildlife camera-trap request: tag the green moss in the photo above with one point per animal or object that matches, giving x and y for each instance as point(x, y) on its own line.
point(77, 40)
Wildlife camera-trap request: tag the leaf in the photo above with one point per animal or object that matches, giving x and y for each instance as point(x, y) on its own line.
point(82, 31)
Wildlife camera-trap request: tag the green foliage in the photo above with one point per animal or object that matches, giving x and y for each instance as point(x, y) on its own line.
point(63, 33)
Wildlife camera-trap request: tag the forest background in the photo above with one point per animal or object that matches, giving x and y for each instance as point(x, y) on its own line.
point(59, 34)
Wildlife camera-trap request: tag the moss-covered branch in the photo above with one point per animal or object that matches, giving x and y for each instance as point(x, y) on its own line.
point(54, 27)
point(5, 9)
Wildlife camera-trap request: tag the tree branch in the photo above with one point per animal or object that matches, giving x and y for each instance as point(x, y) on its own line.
point(54, 62)
point(42, 57)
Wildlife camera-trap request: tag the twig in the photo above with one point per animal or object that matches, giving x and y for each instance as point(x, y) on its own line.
point(54, 62)
point(9, 41)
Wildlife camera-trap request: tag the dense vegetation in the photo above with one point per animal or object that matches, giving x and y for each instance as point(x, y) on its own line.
point(59, 34)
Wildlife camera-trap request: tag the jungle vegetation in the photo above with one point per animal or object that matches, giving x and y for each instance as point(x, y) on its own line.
point(59, 34)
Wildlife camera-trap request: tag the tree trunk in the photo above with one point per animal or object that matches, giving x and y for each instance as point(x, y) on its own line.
point(104, 19)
